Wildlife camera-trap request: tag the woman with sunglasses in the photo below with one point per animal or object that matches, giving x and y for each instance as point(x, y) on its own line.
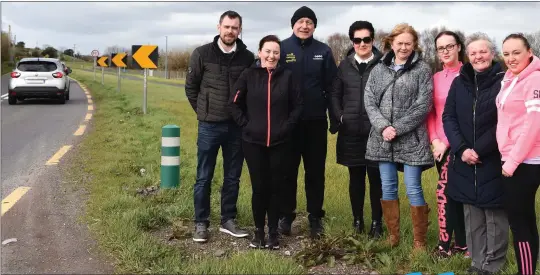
point(451, 52)
point(347, 98)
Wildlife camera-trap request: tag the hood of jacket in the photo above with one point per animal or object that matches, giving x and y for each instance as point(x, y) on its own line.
point(484, 79)
point(411, 61)
point(534, 66)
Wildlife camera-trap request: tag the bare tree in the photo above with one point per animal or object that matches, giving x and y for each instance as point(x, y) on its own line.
point(340, 44)
point(534, 41)
point(379, 35)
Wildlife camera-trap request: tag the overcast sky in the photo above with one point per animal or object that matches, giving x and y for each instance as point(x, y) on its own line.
point(96, 25)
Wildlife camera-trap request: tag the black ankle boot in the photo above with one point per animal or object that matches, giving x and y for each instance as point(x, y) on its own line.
point(273, 239)
point(358, 225)
point(376, 230)
point(258, 239)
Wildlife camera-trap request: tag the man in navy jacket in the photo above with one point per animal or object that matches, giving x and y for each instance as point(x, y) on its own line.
point(314, 66)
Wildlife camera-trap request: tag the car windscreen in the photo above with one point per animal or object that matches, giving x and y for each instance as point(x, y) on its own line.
point(36, 66)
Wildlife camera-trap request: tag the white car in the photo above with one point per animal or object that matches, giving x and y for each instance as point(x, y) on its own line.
point(37, 77)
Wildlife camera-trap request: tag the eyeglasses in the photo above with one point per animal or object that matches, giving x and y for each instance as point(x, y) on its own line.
point(358, 40)
point(448, 47)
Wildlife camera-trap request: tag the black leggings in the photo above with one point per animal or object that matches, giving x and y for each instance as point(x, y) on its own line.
point(357, 191)
point(450, 212)
point(520, 192)
point(266, 167)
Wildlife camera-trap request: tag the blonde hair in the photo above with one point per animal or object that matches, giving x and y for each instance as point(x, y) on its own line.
point(397, 30)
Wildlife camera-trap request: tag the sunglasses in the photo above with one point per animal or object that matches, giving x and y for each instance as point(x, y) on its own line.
point(358, 40)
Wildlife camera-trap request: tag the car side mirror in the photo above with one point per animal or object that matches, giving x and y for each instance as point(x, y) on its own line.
point(68, 70)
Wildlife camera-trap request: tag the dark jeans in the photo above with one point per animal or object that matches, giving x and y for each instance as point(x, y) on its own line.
point(212, 136)
point(450, 212)
point(309, 140)
point(266, 165)
point(357, 191)
point(520, 192)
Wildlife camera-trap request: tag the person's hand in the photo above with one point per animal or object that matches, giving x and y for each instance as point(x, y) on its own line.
point(505, 174)
point(470, 157)
point(439, 148)
point(389, 133)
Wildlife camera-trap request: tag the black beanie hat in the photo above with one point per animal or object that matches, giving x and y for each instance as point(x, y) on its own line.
point(303, 12)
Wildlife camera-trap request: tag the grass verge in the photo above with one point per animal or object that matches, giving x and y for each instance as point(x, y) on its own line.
point(121, 154)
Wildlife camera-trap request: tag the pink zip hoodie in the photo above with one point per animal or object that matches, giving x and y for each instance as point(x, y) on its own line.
point(518, 126)
point(441, 85)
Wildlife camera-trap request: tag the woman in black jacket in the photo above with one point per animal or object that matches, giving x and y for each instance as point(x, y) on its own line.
point(267, 105)
point(354, 126)
point(474, 179)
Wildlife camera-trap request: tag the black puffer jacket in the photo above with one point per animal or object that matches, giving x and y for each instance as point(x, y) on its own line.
point(347, 100)
point(470, 121)
point(267, 104)
point(211, 75)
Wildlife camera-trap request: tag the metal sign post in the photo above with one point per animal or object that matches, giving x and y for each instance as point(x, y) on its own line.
point(119, 69)
point(145, 89)
point(145, 57)
point(95, 54)
point(102, 75)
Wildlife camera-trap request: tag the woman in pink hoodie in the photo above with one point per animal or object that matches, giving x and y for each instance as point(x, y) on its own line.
point(450, 51)
point(518, 138)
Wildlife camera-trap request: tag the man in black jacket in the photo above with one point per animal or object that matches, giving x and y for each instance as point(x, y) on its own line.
point(313, 64)
point(213, 70)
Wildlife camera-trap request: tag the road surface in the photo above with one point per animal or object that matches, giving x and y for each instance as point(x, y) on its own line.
point(45, 220)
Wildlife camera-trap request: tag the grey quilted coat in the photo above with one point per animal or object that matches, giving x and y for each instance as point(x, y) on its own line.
point(404, 104)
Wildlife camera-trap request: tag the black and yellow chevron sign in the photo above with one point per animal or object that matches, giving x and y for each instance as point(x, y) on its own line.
point(145, 56)
point(103, 61)
point(119, 60)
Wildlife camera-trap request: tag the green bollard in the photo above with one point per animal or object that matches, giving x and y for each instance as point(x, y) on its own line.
point(170, 156)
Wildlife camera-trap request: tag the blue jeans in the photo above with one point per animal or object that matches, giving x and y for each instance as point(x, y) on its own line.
point(413, 182)
point(212, 136)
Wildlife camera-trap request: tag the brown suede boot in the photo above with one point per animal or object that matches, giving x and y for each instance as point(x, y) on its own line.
point(391, 218)
point(420, 225)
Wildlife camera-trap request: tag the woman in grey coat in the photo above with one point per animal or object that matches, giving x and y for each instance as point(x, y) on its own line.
point(398, 98)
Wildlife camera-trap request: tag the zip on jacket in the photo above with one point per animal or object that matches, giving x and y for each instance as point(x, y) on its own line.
point(267, 104)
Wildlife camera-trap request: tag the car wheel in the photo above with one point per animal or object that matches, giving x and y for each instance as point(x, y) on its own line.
point(12, 100)
point(63, 99)
point(67, 95)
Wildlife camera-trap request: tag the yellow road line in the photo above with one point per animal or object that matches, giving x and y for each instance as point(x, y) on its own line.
point(12, 198)
point(80, 131)
point(56, 158)
point(90, 101)
point(88, 96)
point(88, 117)
point(90, 107)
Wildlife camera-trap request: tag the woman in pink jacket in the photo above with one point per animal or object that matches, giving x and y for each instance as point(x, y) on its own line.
point(450, 51)
point(518, 138)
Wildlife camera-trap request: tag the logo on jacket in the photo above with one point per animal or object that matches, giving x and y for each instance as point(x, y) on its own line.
point(290, 57)
point(318, 57)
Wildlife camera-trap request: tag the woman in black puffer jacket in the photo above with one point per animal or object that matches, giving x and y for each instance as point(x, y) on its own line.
point(348, 108)
point(474, 173)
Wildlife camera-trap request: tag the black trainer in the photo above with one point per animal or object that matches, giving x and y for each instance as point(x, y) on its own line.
point(358, 225)
point(376, 230)
point(230, 227)
point(316, 226)
point(284, 226)
point(258, 239)
point(474, 270)
point(201, 233)
point(273, 240)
